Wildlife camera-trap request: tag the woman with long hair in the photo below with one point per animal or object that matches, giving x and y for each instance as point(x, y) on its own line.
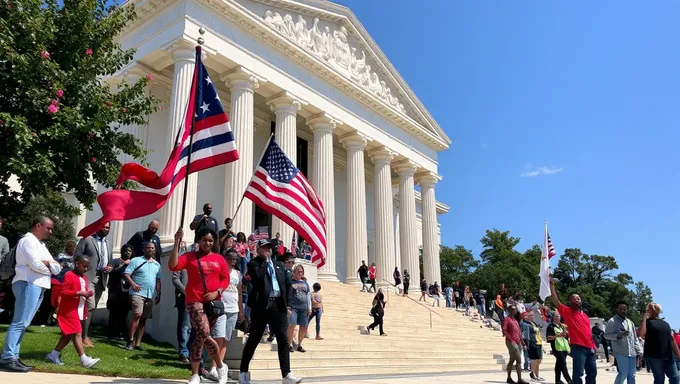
point(378, 312)
point(207, 278)
point(535, 347)
point(241, 246)
point(558, 336)
point(467, 297)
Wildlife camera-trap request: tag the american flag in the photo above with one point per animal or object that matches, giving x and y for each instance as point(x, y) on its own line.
point(206, 127)
point(293, 245)
point(551, 248)
point(280, 189)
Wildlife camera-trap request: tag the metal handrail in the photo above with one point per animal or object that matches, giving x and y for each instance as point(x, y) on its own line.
point(415, 301)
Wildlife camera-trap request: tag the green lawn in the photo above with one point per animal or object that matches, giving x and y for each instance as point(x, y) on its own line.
point(157, 361)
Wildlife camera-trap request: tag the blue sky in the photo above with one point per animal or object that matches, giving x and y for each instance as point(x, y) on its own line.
point(557, 111)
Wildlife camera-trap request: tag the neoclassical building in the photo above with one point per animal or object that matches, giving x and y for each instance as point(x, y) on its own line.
point(307, 71)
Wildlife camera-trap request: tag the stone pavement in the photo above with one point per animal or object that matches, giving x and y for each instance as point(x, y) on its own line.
point(472, 378)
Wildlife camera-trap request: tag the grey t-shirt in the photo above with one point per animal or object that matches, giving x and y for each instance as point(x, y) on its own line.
point(209, 222)
point(301, 297)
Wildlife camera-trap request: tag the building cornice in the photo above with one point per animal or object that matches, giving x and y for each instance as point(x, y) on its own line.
point(254, 24)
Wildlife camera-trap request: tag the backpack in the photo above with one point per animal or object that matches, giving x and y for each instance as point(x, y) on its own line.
point(8, 264)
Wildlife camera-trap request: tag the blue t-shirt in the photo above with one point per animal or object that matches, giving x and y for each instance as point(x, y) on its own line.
point(145, 276)
point(300, 297)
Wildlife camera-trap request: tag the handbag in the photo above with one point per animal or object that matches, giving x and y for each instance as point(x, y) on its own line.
point(243, 326)
point(213, 308)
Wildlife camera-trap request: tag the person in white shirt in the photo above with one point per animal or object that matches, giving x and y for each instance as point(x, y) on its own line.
point(34, 267)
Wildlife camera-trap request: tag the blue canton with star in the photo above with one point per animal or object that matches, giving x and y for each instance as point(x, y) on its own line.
point(208, 103)
point(277, 164)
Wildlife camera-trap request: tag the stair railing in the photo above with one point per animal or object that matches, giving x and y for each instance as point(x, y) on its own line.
point(389, 283)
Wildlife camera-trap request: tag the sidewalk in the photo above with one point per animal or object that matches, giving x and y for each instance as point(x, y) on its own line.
point(477, 378)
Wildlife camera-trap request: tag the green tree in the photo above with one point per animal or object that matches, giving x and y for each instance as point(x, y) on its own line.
point(61, 121)
point(456, 263)
point(499, 246)
point(641, 297)
point(52, 205)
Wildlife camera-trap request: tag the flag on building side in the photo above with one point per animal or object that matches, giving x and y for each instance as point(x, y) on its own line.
point(547, 252)
point(205, 126)
point(279, 188)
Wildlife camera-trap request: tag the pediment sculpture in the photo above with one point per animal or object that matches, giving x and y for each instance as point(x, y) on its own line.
point(333, 47)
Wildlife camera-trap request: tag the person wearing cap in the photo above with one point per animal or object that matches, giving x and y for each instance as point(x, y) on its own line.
point(269, 304)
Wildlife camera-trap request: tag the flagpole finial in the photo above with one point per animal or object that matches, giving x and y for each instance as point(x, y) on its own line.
point(201, 41)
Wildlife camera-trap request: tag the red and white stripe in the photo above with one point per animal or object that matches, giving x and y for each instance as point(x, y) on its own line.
point(296, 203)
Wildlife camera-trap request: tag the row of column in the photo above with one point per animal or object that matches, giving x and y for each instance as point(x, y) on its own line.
point(237, 175)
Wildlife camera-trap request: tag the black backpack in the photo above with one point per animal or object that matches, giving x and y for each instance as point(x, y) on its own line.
point(7, 265)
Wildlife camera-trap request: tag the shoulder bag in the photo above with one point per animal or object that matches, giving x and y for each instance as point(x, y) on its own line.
point(124, 285)
point(213, 308)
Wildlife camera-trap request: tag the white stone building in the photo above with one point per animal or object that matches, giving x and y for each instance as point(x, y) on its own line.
point(308, 71)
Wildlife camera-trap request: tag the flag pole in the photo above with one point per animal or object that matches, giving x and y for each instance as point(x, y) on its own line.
point(266, 145)
point(201, 31)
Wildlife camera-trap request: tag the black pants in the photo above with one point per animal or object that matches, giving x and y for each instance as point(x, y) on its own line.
point(118, 306)
point(372, 281)
point(501, 315)
point(406, 285)
point(605, 346)
point(561, 366)
point(377, 322)
point(278, 325)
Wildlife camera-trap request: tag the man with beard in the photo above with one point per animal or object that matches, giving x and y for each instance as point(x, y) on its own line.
point(204, 220)
point(620, 331)
point(139, 240)
point(580, 337)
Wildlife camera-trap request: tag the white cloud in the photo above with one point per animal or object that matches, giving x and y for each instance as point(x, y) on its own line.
point(537, 171)
point(484, 145)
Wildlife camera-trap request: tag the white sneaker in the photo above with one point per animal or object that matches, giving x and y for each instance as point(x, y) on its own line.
point(54, 358)
point(212, 375)
point(195, 379)
point(290, 379)
point(88, 362)
point(223, 374)
point(244, 378)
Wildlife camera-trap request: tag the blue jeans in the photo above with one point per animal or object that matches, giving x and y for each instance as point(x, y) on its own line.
point(480, 308)
point(584, 361)
point(662, 368)
point(316, 313)
point(627, 367)
point(449, 300)
point(527, 360)
point(183, 327)
point(28, 299)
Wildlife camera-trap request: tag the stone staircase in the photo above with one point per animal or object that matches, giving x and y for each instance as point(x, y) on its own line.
point(420, 339)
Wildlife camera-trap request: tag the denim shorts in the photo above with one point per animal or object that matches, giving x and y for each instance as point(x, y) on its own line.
point(299, 317)
point(224, 326)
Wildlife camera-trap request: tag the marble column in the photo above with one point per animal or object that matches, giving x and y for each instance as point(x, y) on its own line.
point(356, 233)
point(285, 107)
point(408, 241)
point(384, 214)
point(431, 266)
point(323, 181)
point(183, 72)
point(238, 174)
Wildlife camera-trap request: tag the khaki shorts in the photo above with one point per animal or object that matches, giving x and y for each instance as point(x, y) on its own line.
point(141, 305)
point(515, 351)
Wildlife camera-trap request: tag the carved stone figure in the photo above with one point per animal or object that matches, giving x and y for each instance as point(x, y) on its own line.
point(334, 48)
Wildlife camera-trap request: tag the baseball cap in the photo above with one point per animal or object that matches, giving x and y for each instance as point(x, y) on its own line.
point(264, 243)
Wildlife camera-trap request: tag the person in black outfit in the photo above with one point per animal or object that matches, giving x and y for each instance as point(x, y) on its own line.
point(139, 240)
point(557, 329)
point(378, 312)
point(598, 338)
point(268, 301)
point(407, 281)
point(660, 346)
point(363, 275)
point(118, 303)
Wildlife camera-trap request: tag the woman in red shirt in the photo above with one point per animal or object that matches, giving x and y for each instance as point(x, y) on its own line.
point(216, 274)
point(371, 276)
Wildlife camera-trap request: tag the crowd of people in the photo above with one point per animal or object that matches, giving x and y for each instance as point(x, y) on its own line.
point(222, 281)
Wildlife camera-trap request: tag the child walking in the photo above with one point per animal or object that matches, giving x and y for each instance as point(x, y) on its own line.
point(72, 310)
point(317, 309)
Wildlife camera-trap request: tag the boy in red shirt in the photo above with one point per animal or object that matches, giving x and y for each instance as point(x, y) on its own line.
point(580, 337)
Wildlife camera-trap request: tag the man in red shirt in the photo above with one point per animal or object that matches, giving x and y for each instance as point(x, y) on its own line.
point(580, 337)
point(371, 276)
point(513, 341)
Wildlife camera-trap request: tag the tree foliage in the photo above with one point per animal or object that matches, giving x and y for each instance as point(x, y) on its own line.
point(593, 277)
point(59, 119)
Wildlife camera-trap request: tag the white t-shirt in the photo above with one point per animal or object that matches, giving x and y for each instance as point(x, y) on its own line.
point(31, 253)
point(230, 295)
point(81, 304)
